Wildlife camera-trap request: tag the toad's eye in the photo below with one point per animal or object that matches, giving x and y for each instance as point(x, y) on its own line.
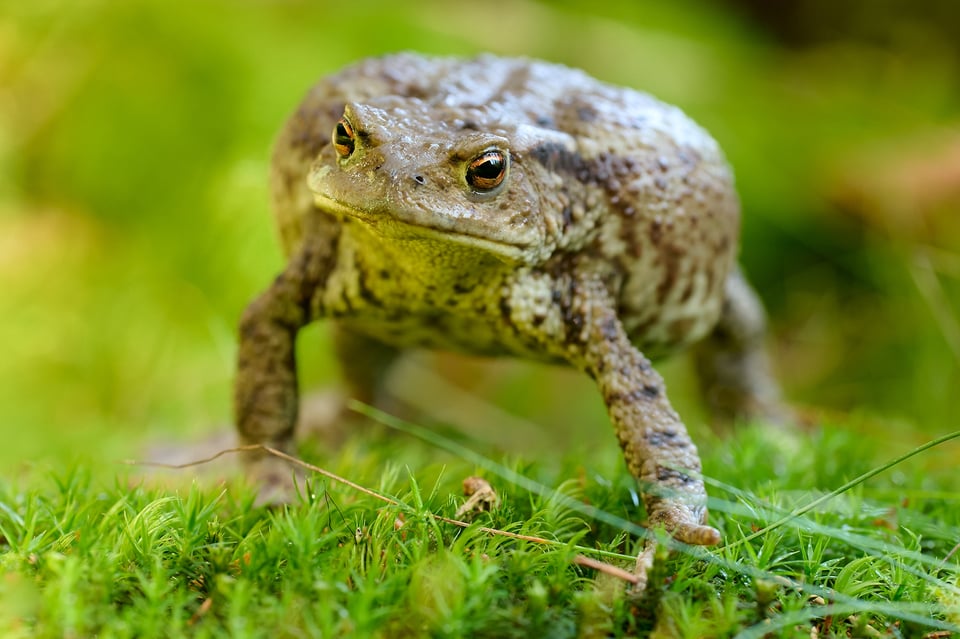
point(343, 139)
point(486, 171)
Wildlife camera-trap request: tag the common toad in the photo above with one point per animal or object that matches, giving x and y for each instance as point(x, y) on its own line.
point(509, 207)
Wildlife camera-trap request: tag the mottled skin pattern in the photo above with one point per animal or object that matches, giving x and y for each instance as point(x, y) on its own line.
point(610, 232)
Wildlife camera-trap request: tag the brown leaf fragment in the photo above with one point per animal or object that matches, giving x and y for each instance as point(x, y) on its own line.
point(201, 611)
point(481, 497)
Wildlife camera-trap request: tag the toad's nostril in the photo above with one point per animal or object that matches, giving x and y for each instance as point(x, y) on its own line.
point(419, 179)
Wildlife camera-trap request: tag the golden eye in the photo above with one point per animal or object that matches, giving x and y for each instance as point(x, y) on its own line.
point(343, 140)
point(487, 170)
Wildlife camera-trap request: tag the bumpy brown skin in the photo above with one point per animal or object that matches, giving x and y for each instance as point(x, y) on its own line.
point(615, 229)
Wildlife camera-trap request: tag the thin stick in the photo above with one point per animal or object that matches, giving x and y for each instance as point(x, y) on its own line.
point(276, 453)
point(949, 555)
point(580, 560)
point(606, 568)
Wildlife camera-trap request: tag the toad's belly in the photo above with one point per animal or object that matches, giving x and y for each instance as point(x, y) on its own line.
point(498, 321)
point(662, 335)
point(667, 295)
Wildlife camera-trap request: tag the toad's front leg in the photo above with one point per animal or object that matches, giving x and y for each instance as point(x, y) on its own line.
point(657, 448)
point(265, 391)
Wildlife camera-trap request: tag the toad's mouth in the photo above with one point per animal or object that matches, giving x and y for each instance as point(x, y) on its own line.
point(390, 226)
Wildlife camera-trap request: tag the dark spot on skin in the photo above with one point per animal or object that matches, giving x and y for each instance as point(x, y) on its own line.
point(672, 260)
point(586, 113)
point(666, 474)
point(656, 232)
point(312, 269)
point(539, 319)
point(567, 215)
point(689, 157)
point(660, 183)
point(573, 322)
point(572, 316)
point(435, 322)
point(557, 158)
point(546, 122)
point(461, 288)
point(610, 329)
point(604, 171)
point(410, 90)
point(384, 274)
point(469, 125)
point(721, 336)
point(645, 393)
point(664, 438)
point(505, 310)
point(248, 329)
point(565, 295)
point(576, 322)
point(687, 291)
point(419, 179)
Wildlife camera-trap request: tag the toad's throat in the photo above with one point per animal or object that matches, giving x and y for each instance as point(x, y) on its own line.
point(390, 226)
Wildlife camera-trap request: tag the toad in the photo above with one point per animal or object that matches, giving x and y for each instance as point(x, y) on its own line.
point(512, 207)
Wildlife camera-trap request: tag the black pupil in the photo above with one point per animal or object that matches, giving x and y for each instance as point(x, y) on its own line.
point(343, 136)
point(489, 167)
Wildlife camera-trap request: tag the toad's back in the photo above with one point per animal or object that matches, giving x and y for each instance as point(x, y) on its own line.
point(600, 177)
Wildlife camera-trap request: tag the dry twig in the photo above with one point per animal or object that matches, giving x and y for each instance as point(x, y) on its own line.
point(580, 560)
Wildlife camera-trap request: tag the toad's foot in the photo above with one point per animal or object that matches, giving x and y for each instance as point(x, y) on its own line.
point(681, 522)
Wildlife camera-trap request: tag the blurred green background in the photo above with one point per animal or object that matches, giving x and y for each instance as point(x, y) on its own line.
point(134, 223)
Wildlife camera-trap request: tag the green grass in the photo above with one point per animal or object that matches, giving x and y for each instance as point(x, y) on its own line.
point(132, 558)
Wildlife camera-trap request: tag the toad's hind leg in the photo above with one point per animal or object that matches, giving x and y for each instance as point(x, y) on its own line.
point(365, 365)
point(732, 364)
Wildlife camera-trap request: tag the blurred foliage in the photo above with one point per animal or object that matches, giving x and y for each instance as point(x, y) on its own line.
point(134, 224)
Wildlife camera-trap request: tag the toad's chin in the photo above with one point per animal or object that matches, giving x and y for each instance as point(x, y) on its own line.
point(390, 226)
